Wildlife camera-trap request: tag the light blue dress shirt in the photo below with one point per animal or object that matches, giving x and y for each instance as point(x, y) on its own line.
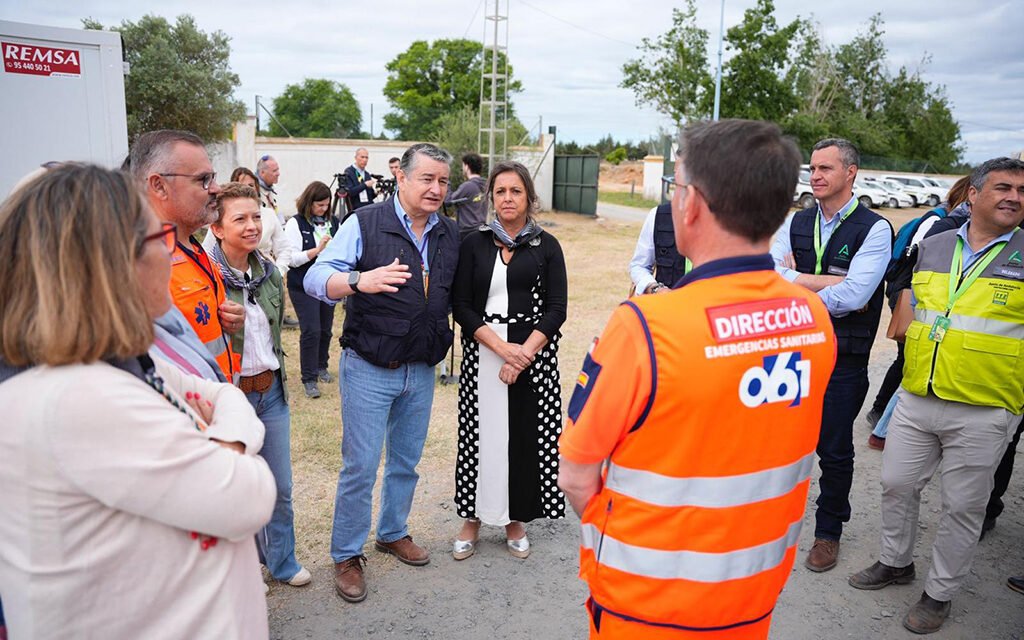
point(343, 252)
point(867, 268)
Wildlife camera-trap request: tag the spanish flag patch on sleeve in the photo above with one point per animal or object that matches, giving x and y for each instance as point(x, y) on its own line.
point(584, 385)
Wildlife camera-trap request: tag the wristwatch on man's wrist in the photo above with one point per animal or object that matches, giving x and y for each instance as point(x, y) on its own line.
point(654, 287)
point(353, 280)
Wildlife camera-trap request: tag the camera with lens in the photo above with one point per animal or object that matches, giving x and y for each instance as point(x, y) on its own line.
point(384, 187)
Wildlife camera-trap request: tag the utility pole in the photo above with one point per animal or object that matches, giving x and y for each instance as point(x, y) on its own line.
point(495, 124)
point(718, 76)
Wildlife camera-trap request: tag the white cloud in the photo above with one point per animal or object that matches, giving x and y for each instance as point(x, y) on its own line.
point(568, 53)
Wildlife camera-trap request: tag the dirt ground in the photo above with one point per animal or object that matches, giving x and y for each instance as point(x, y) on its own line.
point(493, 595)
point(622, 177)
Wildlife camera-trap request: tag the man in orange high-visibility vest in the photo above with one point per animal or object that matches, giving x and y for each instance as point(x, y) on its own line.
point(175, 173)
point(694, 421)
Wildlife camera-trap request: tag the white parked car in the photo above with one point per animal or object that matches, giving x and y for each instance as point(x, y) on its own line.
point(870, 194)
point(803, 196)
point(897, 196)
point(924, 193)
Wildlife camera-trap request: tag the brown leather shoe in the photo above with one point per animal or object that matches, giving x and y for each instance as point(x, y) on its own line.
point(348, 579)
point(823, 556)
point(405, 550)
point(927, 615)
point(1016, 583)
point(881, 575)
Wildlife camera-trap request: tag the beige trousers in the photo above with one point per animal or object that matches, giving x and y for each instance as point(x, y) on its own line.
point(965, 443)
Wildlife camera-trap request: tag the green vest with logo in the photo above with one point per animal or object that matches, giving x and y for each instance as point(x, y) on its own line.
point(976, 354)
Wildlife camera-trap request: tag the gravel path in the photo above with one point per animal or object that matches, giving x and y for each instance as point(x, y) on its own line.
point(495, 596)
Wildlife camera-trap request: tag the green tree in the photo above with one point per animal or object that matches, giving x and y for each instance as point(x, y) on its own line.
point(317, 108)
point(672, 73)
point(898, 120)
point(180, 77)
point(458, 132)
point(616, 156)
point(754, 83)
point(429, 80)
point(789, 75)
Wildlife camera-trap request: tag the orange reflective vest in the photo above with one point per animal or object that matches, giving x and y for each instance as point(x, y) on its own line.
point(706, 403)
point(198, 291)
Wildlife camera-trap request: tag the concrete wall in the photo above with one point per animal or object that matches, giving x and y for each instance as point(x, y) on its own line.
point(304, 160)
point(653, 168)
point(540, 161)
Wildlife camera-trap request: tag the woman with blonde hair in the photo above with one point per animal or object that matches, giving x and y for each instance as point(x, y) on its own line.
point(131, 491)
point(255, 283)
point(273, 242)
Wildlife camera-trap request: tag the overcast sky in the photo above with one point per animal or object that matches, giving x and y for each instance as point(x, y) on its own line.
point(569, 53)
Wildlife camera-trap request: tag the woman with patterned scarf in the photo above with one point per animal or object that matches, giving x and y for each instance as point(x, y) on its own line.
point(254, 282)
point(509, 297)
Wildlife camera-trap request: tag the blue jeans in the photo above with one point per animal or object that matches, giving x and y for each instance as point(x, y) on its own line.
point(379, 407)
point(315, 320)
point(882, 426)
point(844, 397)
point(276, 542)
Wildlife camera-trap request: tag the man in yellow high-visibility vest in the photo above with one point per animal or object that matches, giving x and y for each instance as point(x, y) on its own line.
point(962, 393)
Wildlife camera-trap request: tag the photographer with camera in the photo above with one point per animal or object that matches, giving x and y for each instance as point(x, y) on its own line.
point(385, 186)
point(469, 199)
point(359, 183)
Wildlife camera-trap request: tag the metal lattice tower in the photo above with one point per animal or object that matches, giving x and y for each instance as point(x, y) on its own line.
point(492, 139)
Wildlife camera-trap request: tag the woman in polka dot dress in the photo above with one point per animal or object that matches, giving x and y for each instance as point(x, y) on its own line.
point(509, 297)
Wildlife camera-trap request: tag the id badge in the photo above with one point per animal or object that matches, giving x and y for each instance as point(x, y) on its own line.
point(939, 327)
point(364, 197)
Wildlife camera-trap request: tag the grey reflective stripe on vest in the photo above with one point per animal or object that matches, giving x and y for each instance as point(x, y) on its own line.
point(726, 491)
point(216, 346)
point(935, 254)
point(974, 324)
point(690, 565)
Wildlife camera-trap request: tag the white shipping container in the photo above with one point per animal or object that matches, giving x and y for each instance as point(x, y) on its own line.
point(61, 98)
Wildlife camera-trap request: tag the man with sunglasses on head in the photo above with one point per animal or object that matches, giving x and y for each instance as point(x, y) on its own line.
point(175, 174)
point(268, 172)
point(273, 242)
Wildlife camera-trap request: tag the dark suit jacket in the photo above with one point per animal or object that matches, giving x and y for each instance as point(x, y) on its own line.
point(354, 186)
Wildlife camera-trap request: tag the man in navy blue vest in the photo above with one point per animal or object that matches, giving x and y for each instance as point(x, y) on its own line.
point(839, 249)
point(657, 264)
point(395, 262)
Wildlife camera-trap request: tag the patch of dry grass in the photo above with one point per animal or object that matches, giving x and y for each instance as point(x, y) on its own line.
point(597, 254)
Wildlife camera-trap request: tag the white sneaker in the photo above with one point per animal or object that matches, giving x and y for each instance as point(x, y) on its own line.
point(301, 578)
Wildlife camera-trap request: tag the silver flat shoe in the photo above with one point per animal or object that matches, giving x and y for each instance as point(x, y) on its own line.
point(519, 548)
point(462, 549)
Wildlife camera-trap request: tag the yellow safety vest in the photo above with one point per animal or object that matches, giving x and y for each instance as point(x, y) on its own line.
point(965, 343)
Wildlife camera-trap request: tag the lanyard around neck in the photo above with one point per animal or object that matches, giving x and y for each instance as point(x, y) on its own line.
point(819, 249)
point(959, 284)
